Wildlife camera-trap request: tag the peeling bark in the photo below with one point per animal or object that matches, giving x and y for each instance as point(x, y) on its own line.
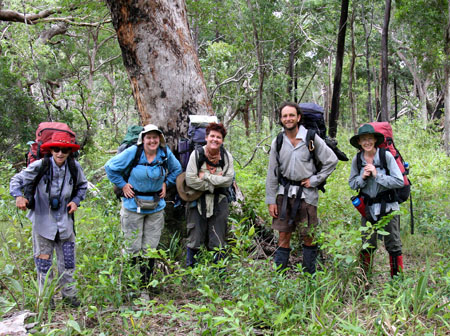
point(161, 62)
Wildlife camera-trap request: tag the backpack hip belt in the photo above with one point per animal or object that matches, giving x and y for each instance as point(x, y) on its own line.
point(154, 194)
point(286, 183)
point(384, 197)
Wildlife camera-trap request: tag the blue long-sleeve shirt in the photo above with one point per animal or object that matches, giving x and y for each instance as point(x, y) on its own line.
point(143, 178)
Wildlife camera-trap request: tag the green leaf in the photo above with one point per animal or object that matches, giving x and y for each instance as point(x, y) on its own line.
point(74, 325)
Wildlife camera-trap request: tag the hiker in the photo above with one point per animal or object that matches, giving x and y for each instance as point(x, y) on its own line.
point(153, 169)
point(291, 186)
point(52, 203)
point(377, 190)
point(209, 172)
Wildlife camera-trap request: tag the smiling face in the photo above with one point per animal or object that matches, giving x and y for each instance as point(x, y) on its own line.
point(60, 155)
point(367, 142)
point(214, 140)
point(151, 141)
point(289, 118)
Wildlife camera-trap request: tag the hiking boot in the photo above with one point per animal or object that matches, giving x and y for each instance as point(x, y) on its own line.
point(281, 257)
point(71, 301)
point(310, 258)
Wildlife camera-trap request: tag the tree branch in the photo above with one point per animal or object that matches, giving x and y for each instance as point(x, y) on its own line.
point(12, 16)
point(229, 80)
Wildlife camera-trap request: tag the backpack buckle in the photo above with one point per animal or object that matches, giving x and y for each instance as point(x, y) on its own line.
point(311, 146)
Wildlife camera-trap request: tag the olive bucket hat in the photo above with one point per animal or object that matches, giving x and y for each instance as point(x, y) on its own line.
point(366, 129)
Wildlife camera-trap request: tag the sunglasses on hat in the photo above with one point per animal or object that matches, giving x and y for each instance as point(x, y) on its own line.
point(63, 150)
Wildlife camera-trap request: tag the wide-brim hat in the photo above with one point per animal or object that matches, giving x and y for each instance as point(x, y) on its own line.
point(366, 129)
point(62, 140)
point(152, 128)
point(186, 193)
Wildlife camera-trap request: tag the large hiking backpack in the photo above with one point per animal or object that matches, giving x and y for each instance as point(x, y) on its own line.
point(402, 194)
point(44, 134)
point(195, 137)
point(131, 138)
point(314, 122)
point(195, 141)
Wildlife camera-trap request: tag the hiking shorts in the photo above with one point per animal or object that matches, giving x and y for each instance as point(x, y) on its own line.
point(141, 231)
point(305, 219)
point(392, 241)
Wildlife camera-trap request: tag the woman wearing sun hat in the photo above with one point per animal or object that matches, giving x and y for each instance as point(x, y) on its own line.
point(142, 215)
point(374, 182)
point(61, 186)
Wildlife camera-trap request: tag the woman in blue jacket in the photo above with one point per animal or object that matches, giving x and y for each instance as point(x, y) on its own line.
point(151, 168)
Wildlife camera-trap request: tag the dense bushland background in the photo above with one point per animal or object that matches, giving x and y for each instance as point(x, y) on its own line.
point(244, 295)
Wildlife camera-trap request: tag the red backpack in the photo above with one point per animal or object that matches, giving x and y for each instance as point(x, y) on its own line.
point(44, 134)
point(386, 129)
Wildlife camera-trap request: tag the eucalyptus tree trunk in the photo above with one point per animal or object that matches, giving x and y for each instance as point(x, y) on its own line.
point(351, 94)
point(161, 62)
point(334, 115)
point(447, 86)
point(261, 68)
point(384, 63)
point(367, 32)
point(290, 71)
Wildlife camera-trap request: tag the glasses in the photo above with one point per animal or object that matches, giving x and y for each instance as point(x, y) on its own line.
point(63, 150)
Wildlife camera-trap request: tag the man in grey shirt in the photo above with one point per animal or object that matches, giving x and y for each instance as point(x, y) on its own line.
point(291, 186)
point(52, 202)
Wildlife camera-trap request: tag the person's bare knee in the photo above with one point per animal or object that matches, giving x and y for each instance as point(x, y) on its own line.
point(44, 256)
point(284, 239)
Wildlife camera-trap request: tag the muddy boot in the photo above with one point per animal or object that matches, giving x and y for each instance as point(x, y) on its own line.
point(281, 257)
point(396, 263)
point(146, 267)
point(309, 258)
point(190, 257)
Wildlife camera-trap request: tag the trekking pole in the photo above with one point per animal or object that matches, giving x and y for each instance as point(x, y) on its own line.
point(411, 213)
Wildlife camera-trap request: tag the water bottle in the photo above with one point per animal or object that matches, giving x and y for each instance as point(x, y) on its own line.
point(406, 165)
point(358, 202)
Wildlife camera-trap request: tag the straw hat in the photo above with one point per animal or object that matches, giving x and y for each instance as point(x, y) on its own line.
point(186, 193)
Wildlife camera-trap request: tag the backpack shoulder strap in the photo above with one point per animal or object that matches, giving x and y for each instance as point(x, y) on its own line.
point(42, 171)
point(134, 163)
point(200, 156)
point(310, 136)
point(359, 161)
point(383, 163)
point(165, 158)
point(30, 190)
point(74, 173)
point(279, 142)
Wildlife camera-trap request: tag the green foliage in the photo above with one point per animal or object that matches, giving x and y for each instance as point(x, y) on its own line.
point(19, 114)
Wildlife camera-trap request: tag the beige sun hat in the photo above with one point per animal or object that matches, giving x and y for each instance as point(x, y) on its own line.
point(186, 193)
point(152, 128)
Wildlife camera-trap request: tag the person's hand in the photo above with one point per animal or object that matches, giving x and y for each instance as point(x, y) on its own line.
point(370, 169)
point(201, 174)
point(306, 183)
point(162, 194)
point(128, 191)
point(21, 202)
point(273, 210)
point(72, 206)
